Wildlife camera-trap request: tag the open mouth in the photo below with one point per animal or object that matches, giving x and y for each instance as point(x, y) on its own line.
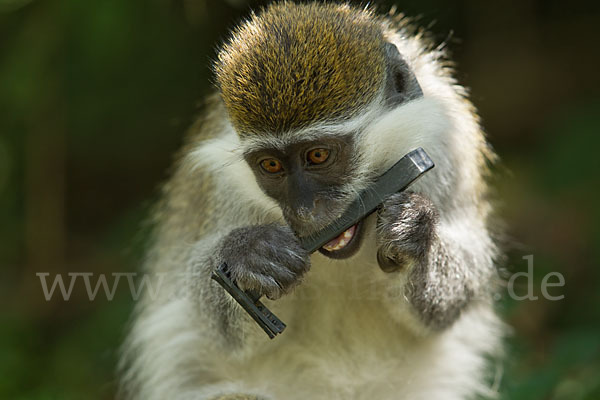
point(345, 245)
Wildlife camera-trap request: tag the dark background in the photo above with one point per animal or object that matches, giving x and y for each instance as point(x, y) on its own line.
point(96, 95)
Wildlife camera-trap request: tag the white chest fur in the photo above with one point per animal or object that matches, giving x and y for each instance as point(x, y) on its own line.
point(347, 338)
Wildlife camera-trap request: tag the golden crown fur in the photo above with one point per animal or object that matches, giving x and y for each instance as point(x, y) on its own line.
point(300, 63)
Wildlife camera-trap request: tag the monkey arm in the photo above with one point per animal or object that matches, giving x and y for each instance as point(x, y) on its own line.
point(211, 194)
point(446, 258)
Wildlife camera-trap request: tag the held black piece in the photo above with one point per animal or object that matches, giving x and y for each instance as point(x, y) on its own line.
point(250, 302)
point(396, 179)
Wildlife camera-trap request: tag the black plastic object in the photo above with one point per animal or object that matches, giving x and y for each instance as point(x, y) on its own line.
point(250, 302)
point(396, 179)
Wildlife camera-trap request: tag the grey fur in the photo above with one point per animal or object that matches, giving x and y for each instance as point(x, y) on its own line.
point(267, 259)
point(406, 224)
point(437, 287)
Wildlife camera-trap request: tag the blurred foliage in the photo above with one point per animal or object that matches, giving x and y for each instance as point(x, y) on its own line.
point(94, 100)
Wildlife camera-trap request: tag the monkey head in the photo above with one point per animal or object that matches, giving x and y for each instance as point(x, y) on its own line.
point(300, 83)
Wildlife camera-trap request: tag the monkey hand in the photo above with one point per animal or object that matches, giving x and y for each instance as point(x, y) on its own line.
point(405, 229)
point(266, 259)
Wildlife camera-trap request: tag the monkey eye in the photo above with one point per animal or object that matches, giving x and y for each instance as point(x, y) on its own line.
point(271, 165)
point(317, 156)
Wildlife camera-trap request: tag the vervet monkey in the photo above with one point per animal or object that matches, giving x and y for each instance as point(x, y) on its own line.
point(314, 102)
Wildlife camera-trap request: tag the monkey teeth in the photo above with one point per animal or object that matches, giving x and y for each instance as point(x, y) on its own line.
point(341, 241)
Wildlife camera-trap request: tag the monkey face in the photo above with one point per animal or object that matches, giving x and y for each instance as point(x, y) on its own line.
point(311, 181)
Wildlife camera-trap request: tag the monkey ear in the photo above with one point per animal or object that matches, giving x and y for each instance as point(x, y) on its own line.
point(401, 83)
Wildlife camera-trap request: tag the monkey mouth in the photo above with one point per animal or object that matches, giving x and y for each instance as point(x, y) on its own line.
point(345, 245)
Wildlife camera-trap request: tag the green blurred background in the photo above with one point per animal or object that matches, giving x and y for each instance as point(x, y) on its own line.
point(95, 98)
